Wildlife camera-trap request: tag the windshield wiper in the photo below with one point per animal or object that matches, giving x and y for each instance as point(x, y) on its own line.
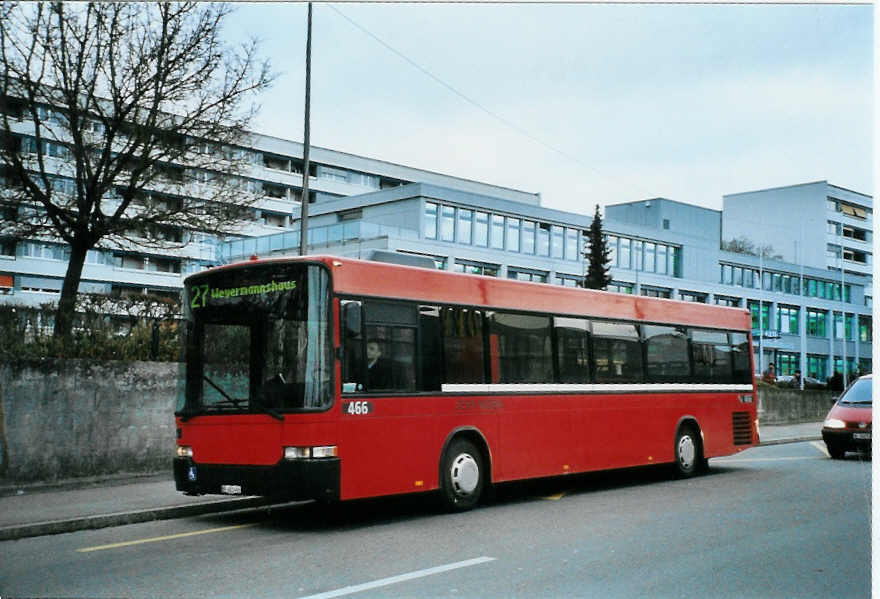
point(274, 413)
point(229, 398)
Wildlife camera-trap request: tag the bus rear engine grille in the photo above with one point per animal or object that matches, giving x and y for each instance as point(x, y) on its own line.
point(742, 428)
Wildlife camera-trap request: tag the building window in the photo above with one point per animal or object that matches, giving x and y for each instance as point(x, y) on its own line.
point(481, 229)
point(865, 334)
point(522, 274)
point(556, 241)
point(656, 292)
point(637, 254)
point(624, 252)
point(839, 323)
point(528, 237)
point(497, 235)
point(787, 362)
point(650, 256)
point(431, 220)
point(465, 223)
point(447, 223)
point(692, 296)
point(611, 243)
point(568, 280)
point(762, 308)
point(543, 239)
point(662, 259)
point(733, 302)
point(817, 366)
point(476, 268)
point(513, 227)
point(787, 319)
point(620, 287)
point(816, 323)
point(571, 244)
point(666, 223)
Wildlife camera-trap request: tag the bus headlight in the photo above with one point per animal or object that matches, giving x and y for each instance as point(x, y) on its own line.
point(834, 423)
point(184, 451)
point(324, 451)
point(303, 453)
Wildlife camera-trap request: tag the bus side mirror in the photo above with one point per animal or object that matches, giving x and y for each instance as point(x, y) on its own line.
point(352, 318)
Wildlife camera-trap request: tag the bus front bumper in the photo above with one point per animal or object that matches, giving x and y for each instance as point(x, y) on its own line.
point(290, 479)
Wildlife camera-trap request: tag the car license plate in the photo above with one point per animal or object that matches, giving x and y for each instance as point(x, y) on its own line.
point(230, 489)
point(861, 435)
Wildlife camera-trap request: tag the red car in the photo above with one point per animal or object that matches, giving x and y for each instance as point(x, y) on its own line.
point(848, 425)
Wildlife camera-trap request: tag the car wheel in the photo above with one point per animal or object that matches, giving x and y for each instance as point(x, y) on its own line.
point(462, 475)
point(688, 452)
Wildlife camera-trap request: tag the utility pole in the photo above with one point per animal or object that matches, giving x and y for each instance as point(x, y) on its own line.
point(304, 204)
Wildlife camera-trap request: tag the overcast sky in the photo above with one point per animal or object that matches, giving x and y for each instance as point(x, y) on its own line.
point(583, 103)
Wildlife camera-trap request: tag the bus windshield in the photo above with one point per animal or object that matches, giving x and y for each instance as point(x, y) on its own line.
point(258, 340)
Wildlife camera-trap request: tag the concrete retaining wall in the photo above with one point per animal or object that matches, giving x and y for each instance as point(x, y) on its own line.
point(62, 419)
point(74, 418)
point(791, 406)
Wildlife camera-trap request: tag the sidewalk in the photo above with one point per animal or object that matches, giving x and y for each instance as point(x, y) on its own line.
point(36, 511)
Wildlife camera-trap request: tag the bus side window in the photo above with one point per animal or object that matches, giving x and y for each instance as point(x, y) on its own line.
point(352, 347)
point(431, 349)
point(742, 359)
point(572, 350)
point(519, 348)
point(617, 352)
point(389, 359)
point(666, 354)
point(463, 360)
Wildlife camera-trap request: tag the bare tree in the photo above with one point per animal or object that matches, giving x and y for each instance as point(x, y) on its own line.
point(743, 245)
point(102, 105)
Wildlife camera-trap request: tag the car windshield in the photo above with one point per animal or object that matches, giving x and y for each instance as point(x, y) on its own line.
point(258, 340)
point(859, 393)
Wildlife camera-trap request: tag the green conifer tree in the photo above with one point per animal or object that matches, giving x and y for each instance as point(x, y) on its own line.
point(597, 254)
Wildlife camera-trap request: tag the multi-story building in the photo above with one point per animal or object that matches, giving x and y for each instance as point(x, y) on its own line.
point(806, 313)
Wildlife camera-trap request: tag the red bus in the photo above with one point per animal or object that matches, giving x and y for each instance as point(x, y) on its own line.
point(334, 378)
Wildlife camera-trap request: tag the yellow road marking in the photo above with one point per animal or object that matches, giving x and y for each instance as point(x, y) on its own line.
point(821, 447)
point(556, 497)
point(164, 538)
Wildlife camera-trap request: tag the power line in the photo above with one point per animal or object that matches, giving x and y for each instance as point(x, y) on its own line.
point(476, 104)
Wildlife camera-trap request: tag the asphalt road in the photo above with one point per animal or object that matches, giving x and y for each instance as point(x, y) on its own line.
point(779, 521)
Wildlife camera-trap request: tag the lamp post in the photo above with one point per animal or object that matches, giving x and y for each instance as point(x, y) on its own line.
point(304, 204)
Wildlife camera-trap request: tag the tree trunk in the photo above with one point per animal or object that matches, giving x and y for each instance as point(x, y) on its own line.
point(67, 304)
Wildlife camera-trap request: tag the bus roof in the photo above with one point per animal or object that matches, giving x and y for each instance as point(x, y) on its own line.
point(393, 281)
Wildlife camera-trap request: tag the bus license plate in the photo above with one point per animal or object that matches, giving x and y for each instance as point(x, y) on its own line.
point(861, 435)
point(230, 489)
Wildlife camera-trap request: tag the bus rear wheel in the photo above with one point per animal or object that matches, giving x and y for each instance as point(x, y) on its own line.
point(688, 452)
point(462, 476)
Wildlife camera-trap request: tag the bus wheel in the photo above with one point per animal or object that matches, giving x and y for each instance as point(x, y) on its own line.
point(461, 476)
point(688, 452)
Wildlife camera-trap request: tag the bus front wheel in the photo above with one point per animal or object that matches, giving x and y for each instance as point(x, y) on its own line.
point(688, 452)
point(461, 476)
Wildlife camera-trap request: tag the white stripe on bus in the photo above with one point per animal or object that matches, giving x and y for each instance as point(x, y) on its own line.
point(591, 388)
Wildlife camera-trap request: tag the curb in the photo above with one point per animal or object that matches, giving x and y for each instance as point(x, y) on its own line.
point(790, 440)
point(53, 527)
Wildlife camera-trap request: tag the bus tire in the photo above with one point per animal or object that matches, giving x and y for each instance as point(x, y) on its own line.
point(688, 452)
point(462, 476)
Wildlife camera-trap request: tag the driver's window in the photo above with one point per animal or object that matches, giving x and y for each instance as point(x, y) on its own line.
point(352, 347)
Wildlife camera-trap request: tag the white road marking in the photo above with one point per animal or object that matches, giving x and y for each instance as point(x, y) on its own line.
point(821, 447)
point(382, 582)
point(744, 460)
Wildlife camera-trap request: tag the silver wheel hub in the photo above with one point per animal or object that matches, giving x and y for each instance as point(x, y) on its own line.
point(687, 452)
point(465, 474)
